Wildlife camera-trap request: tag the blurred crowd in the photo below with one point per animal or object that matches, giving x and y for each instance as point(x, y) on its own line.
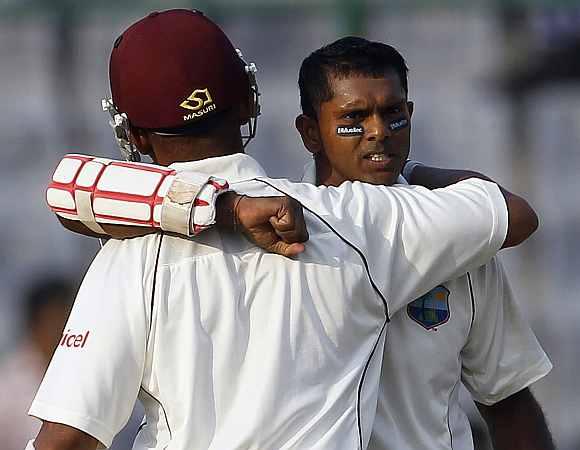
point(496, 89)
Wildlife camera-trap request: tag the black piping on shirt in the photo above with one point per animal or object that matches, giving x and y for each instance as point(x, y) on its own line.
point(162, 408)
point(148, 335)
point(448, 413)
point(375, 288)
point(154, 283)
point(472, 300)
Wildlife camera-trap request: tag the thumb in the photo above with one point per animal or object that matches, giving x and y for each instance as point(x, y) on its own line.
point(284, 249)
point(289, 227)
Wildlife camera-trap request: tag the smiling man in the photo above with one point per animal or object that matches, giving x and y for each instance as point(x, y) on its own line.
point(467, 331)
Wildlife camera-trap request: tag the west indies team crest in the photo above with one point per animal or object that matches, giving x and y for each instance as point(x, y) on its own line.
point(431, 309)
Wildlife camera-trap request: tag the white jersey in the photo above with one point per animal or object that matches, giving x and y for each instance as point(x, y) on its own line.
point(467, 330)
point(231, 348)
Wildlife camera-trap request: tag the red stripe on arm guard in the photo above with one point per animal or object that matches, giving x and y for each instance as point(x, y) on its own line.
point(102, 191)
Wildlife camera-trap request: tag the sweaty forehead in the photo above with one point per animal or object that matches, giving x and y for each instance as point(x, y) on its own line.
point(361, 89)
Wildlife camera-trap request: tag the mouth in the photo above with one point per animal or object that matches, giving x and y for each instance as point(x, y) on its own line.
point(381, 164)
point(381, 157)
point(377, 157)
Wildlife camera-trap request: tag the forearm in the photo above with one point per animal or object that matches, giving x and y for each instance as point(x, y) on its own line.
point(435, 177)
point(111, 231)
point(104, 198)
point(224, 220)
point(56, 436)
point(517, 423)
point(523, 220)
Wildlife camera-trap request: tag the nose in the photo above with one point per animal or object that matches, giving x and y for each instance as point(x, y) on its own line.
point(376, 129)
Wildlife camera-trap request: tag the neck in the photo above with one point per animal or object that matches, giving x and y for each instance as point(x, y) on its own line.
point(325, 176)
point(223, 139)
point(183, 149)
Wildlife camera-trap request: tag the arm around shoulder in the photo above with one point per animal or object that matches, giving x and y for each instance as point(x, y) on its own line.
point(114, 231)
point(517, 423)
point(522, 219)
point(56, 436)
point(103, 198)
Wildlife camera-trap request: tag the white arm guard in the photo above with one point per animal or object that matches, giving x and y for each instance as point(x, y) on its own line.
point(30, 445)
point(98, 190)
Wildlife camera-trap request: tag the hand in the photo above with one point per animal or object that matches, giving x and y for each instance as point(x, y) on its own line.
point(275, 224)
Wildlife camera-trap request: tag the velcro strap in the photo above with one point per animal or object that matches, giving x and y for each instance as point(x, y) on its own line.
point(204, 210)
point(189, 206)
point(177, 206)
point(85, 211)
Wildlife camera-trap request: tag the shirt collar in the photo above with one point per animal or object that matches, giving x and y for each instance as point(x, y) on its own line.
point(234, 168)
point(309, 175)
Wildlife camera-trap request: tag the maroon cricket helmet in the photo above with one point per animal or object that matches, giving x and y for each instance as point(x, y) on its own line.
point(175, 68)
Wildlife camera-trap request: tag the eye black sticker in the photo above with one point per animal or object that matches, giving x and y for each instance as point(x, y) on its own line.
point(398, 124)
point(355, 130)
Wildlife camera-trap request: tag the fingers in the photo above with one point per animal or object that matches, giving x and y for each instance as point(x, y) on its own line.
point(275, 224)
point(284, 249)
point(289, 224)
point(288, 233)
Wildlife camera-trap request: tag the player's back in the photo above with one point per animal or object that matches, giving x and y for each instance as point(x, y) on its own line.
point(249, 350)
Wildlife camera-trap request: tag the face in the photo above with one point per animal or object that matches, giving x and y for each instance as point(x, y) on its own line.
point(376, 155)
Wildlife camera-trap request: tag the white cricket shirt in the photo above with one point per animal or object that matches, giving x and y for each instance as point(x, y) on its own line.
point(468, 330)
point(231, 348)
point(477, 337)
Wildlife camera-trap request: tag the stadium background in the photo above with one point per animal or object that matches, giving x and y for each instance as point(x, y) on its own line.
point(496, 86)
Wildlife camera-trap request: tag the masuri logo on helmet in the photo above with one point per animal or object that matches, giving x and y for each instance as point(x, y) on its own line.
point(198, 99)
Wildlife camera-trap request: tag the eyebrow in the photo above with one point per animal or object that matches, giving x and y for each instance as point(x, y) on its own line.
point(398, 103)
point(359, 104)
point(352, 104)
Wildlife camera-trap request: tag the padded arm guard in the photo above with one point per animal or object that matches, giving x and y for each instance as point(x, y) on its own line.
point(103, 191)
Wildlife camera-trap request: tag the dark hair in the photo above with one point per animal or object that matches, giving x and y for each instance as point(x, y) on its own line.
point(47, 291)
point(343, 58)
point(200, 128)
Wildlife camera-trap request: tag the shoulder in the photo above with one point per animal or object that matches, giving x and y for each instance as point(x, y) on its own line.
point(137, 250)
point(491, 293)
point(488, 280)
point(118, 284)
point(122, 265)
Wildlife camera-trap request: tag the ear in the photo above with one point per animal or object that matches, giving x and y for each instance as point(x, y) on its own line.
point(245, 111)
point(308, 129)
point(247, 108)
point(411, 108)
point(141, 140)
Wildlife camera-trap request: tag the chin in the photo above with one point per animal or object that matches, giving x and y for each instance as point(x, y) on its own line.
point(382, 179)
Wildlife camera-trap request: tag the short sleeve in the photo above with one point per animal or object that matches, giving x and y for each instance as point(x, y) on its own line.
point(95, 374)
point(502, 355)
point(434, 236)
